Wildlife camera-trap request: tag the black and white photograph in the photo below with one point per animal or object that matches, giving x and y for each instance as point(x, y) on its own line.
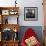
point(30, 13)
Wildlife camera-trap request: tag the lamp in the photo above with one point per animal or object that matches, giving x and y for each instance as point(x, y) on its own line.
point(15, 3)
point(15, 30)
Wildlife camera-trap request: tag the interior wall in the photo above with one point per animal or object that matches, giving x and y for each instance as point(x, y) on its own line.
point(44, 6)
point(31, 3)
point(26, 3)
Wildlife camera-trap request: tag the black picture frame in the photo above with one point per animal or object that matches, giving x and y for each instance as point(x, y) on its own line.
point(30, 13)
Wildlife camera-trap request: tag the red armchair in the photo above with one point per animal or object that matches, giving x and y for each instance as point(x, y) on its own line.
point(28, 34)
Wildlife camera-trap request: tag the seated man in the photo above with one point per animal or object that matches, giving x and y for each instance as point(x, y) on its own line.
point(30, 39)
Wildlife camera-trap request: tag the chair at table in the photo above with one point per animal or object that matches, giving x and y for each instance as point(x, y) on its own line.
point(28, 34)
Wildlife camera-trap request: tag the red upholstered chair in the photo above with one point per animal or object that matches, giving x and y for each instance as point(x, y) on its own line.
point(29, 33)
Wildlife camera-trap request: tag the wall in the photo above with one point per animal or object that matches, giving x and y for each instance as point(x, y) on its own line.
point(31, 3)
point(26, 3)
point(44, 5)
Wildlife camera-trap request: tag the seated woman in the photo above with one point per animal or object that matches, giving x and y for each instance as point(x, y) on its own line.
point(30, 38)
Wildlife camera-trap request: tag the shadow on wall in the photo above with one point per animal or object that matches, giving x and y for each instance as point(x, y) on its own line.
point(37, 29)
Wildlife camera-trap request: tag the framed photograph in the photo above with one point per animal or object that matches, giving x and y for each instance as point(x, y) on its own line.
point(30, 13)
point(5, 12)
point(13, 12)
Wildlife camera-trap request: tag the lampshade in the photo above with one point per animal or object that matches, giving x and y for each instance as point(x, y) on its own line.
point(15, 30)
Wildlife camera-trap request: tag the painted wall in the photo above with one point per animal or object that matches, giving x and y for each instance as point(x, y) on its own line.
point(31, 3)
point(26, 3)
